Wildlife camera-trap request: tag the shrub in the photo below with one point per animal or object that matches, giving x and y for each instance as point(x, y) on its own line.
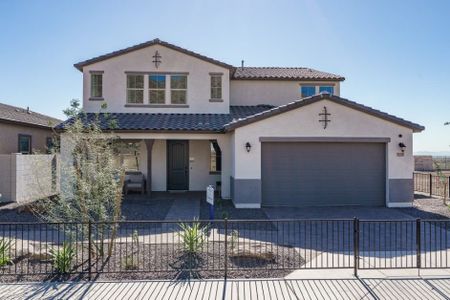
point(62, 258)
point(234, 240)
point(193, 236)
point(5, 248)
point(130, 263)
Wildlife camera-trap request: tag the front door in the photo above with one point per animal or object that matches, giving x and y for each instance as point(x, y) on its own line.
point(177, 165)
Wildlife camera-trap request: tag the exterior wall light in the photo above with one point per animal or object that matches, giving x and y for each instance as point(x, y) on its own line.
point(248, 147)
point(402, 146)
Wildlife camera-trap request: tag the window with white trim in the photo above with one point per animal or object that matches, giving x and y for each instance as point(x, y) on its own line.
point(157, 88)
point(215, 164)
point(178, 89)
point(216, 86)
point(135, 89)
point(326, 89)
point(96, 85)
point(307, 90)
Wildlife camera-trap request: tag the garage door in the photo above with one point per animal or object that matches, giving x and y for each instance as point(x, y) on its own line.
point(323, 174)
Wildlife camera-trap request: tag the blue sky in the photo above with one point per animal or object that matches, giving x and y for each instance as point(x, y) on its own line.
point(394, 54)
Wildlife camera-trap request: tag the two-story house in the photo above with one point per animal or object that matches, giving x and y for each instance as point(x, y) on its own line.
point(262, 136)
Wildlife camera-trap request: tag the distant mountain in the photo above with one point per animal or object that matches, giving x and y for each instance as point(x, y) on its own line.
point(433, 153)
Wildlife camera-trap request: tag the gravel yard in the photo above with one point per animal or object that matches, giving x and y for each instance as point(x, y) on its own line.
point(427, 208)
point(165, 261)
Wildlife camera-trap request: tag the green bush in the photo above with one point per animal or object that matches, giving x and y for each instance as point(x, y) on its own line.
point(193, 236)
point(130, 263)
point(5, 249)
point(62, 258)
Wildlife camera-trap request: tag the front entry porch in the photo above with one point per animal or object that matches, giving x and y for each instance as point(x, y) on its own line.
point(180, 163)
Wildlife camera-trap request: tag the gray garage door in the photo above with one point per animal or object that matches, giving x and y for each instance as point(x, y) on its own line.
point(323, 174)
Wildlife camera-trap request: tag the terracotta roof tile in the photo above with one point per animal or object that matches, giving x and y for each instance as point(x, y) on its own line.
point(278, 73)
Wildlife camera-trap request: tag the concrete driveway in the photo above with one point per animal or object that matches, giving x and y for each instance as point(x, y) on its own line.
point(339, 212)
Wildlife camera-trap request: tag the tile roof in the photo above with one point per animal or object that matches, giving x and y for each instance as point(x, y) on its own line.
point(15, 114)
point(277, 73)
point(80, 65)
point(324, 96)
point(260, 73)
point(170, 122)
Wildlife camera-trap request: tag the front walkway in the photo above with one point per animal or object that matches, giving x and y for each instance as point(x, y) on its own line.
point(313, 284)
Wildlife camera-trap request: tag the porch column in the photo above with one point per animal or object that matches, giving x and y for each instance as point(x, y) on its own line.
point(224, 142)
point(149, 146)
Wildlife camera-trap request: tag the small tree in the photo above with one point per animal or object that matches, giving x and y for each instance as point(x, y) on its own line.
point(91, 178)
point(442, 182)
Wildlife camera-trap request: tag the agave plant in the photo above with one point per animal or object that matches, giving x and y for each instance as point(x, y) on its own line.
point(193, 236)
point(63, 257)
point(5, 249)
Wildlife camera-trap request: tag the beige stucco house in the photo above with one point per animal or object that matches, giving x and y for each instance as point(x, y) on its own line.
point(25, 131)
point(262, 136)
point(24, 177)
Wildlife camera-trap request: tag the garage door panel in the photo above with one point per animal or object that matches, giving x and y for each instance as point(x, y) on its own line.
point(305, 174)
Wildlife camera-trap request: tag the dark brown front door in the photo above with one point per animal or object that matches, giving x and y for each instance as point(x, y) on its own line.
point(177, 165)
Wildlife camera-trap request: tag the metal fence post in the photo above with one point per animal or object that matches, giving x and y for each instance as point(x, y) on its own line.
point(431, 185)
point(89, 250)
point(355, 246)
point(418, 242)
point(226, 247)
point(448, 184)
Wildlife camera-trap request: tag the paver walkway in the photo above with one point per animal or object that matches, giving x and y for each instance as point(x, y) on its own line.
point(351, 288)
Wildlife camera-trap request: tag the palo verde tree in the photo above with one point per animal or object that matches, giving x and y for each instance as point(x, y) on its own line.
point(91, 179)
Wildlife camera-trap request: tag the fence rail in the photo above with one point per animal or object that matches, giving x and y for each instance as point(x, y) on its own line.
point(432, 184)
point(222, 247)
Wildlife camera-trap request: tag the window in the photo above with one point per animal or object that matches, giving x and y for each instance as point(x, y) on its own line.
point(157, 88)
point(128, 156)
point(308, 90)
point(96, 85)
point(49, 144)
point(326, 89)
point(135, 89)
point(215, 158)
point(216, 86)
point(178, 89)
point(24, 144)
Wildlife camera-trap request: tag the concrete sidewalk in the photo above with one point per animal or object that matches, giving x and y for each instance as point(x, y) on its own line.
point(305, 284)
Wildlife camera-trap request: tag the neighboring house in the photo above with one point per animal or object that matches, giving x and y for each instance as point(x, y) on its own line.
point(24, 131)
point(263, 136)
point(25, 178)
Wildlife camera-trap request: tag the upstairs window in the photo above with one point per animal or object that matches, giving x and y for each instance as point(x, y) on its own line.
point(326, 89)
point(178, 89)
point(96, 85)
point(157, 89)
point(215, 158)
point(308, 90)
point(216, 86)
point(135, 89)
point(24, 144)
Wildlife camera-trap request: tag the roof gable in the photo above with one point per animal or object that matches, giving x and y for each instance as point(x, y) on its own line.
point(82, 64)
point(313, 99)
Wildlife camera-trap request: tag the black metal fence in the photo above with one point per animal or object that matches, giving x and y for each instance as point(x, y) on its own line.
point(220, 247)
point(432, 184)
